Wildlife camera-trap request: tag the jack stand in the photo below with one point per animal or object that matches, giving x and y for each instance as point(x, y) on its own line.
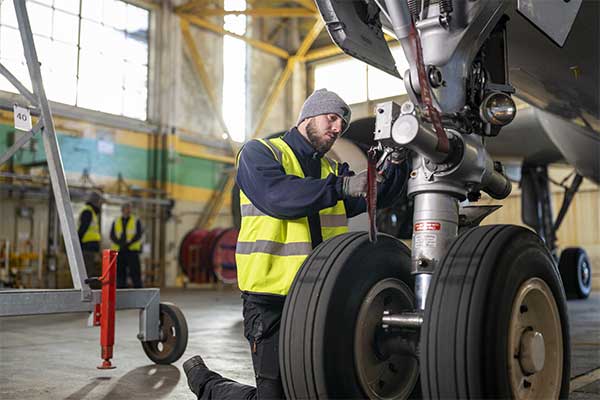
point(107, 307)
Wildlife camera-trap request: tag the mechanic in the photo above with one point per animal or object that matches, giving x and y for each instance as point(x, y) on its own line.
point(89, 235)
point(292, 198)
point(126, 234)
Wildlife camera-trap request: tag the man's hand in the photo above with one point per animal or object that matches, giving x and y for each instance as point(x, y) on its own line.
point(355, 186)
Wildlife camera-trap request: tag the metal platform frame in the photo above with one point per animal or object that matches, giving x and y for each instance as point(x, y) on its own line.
point(81, 298)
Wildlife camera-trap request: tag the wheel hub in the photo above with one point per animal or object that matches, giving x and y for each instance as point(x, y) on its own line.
point(532, 352)
point(385, 366)
point(535, 355)
point(585, 273)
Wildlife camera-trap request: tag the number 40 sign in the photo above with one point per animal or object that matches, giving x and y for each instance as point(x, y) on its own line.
point(22, 118)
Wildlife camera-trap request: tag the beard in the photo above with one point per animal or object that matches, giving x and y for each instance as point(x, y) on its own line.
point(321, 142)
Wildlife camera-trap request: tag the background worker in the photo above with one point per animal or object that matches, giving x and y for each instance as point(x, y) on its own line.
point(90, 237)
point(292, 199)
point(126, 234)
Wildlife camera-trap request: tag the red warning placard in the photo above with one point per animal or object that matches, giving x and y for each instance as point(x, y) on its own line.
point(427, 226)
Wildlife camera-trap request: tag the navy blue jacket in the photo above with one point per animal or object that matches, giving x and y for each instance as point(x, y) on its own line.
point(262, 178)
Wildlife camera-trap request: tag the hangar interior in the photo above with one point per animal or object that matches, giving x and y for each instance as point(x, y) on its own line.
point(151, 102)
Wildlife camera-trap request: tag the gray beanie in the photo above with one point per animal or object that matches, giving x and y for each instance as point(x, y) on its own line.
point(323, 101)
point(95, 198)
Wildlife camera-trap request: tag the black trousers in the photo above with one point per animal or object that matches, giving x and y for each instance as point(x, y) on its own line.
point(128, 264)
point(261, 328)
point(92, 267)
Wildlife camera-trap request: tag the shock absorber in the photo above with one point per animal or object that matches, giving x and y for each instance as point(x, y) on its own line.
point(414, 6)
point(445, 7)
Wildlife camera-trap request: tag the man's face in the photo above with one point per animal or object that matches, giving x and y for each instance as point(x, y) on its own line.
point(323, 130)
point(126, 209)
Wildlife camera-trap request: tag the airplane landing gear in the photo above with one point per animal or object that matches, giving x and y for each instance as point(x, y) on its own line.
point(495, 323)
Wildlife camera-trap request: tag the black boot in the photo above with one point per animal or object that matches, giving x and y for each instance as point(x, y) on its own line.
point(197, 374)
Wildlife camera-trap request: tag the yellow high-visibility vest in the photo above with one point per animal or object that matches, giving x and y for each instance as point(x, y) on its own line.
point(93, 231)
point(270, 251)
point(129, 233)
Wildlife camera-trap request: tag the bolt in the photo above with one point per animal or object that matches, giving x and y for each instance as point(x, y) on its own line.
point(523, 309)
point(421, 262)
point(435, 77)
point(407, 108)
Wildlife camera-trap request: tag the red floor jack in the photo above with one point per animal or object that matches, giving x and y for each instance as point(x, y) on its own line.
point(104, 313)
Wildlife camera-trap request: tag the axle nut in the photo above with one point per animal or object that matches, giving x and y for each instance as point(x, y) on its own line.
point(532, 354)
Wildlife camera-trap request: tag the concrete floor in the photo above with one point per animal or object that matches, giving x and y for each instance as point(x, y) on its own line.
point(55, 357)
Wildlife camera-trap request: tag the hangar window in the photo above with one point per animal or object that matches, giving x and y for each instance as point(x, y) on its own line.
point(93, 53)
point(234, 71)
point(356, 82)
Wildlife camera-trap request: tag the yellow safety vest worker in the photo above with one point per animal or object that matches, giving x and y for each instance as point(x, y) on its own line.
point(270, 251)
point(92, 234)
point(130, 231)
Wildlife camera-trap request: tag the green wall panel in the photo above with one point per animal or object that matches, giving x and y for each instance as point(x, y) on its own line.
point(196, 172)
point(132, 162)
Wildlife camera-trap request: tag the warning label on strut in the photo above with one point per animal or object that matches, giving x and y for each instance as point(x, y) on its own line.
point(427, 226)
point(425, 240)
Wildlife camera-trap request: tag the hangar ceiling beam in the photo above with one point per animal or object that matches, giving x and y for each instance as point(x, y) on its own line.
point(309, 4)
point(190, 6)
point(264, 46)
point(283, 12)
point(205, 79)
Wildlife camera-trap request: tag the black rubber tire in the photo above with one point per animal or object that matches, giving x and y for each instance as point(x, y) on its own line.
point(571, 266)
point(318, 322)
point(465, 327)
point(174, 337)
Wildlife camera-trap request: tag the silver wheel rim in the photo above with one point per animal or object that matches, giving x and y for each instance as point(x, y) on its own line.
point(383, 377)
point(535, 351)
point(585, 274)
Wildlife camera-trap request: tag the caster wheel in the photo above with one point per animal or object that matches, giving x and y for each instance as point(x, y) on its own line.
point(332, 343)
point(576, 273)
point(173, 336)
point(495, 323)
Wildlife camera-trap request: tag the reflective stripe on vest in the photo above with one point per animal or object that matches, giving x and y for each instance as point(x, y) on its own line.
point(130, 231)
point(270, 251)
point(92, 234)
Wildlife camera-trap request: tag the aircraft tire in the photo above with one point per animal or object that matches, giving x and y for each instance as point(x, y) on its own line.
point(495, 323)
point(576, 272)
point(332, 317)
